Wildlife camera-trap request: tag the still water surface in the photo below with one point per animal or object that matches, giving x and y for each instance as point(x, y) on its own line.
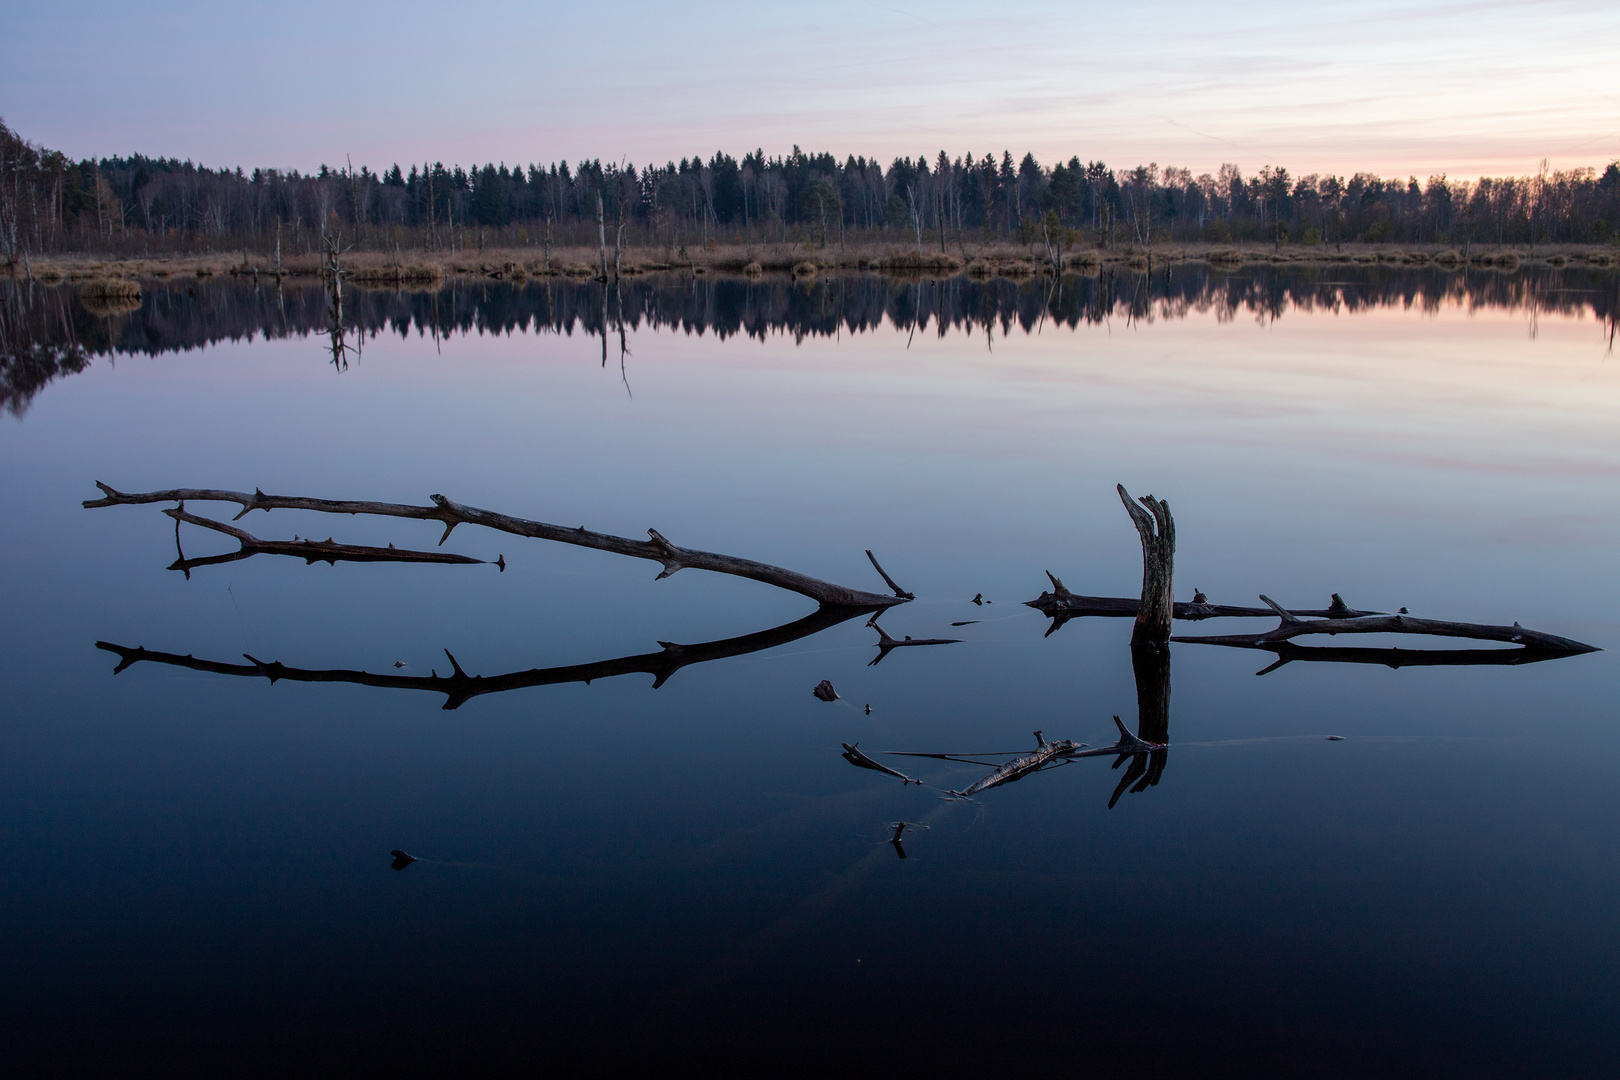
point(196, 864)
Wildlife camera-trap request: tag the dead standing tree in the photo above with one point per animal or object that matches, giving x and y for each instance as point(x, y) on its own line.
point(1158, 532)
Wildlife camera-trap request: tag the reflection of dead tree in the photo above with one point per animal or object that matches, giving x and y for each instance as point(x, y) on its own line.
point(450, 513)
point(311, 551)
point(1152, 669)
point(458, 687)
point(334, 292)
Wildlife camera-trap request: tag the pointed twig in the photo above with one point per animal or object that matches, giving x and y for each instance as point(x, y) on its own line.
point(898, 591)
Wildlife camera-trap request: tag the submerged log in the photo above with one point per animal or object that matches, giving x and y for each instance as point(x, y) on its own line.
point(656, 549)
point(1291, 626)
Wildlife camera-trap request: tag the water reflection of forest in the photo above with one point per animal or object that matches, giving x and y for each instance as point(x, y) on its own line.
point(50, 331)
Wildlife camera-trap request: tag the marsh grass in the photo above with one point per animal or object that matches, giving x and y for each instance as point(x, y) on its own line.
point(981, 259)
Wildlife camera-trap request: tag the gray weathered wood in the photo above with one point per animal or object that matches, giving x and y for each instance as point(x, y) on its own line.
point(1157, 530)
point(451, 513)
point(1061, 604)
point(311, 551)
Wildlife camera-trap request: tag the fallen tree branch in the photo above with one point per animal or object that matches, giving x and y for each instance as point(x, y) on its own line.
point(311, 551)
point(450, 513)
point(1291, 626)
point(458, 687)
point(1062, 605)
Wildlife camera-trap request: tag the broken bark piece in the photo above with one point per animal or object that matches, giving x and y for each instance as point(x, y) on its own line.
point(451, 513)
point(824, 690)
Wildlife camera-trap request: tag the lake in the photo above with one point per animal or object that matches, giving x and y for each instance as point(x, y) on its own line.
point(198, 858)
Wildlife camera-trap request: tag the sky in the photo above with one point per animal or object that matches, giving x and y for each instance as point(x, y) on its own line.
point(1420, 88)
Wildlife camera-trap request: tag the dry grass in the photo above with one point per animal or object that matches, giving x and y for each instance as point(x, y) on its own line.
point(980, 259)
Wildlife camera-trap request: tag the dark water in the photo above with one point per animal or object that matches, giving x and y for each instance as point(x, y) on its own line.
point(196, 863)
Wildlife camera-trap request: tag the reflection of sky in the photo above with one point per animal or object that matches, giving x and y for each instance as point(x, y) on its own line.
point(1459, 88)
point(213, 850)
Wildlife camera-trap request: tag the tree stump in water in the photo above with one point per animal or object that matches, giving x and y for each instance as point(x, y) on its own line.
point(1157, 530)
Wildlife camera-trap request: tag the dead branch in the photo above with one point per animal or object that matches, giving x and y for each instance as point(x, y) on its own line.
point(311, 551)
point(458, 687)
point(1291, 626)
point(898, 591)
point(1061, 605)
point(451, 514)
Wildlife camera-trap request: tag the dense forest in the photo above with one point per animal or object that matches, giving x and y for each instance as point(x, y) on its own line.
point(138, 205)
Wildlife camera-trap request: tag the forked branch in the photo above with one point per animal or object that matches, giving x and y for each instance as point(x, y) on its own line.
point(451, 513)
point(311, 551)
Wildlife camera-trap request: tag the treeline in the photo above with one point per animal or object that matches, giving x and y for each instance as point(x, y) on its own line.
point(146, 206)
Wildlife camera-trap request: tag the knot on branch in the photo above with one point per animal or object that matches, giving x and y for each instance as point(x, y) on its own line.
point(668, 554)
point(450, 513)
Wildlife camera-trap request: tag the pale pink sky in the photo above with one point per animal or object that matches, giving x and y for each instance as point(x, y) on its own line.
point(1420, 88)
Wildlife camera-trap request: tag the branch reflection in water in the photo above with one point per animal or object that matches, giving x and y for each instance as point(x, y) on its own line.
point(458, 687)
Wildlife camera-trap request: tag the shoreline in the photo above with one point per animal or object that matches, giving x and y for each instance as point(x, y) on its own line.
point(982, 260)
